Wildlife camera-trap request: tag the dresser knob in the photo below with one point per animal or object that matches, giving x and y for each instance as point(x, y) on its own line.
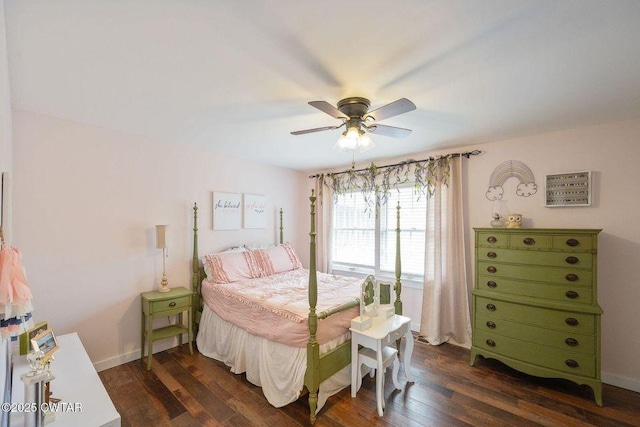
point(529, 241)
point(491, 307)
point(571, 321)
point(492, 325)
point(571, 342)
point(491, 343)
point(572, 294)
point(172, 304)
point(491, 239)
point(491, 269)
point(492, 284)
point(572, 260)
point(492, 254)
point(571, 363)
point(572, 242)
point(571, 277)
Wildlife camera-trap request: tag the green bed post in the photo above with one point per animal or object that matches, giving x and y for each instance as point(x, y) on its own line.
point(281, 228)
point(398, 285)
point(195, 279)
point(312, 375)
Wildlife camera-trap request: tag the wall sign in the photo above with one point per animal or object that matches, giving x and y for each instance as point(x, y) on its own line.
point(226, 211)
point(255, 211)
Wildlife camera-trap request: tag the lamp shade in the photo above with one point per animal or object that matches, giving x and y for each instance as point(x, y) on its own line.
point(161, 236)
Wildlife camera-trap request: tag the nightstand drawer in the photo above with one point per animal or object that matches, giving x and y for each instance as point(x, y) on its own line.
point(172, 305)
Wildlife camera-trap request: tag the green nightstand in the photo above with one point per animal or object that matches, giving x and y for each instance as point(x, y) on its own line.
point(158, 304)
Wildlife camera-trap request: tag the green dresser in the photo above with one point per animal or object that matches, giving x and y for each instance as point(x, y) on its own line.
point(535, 305)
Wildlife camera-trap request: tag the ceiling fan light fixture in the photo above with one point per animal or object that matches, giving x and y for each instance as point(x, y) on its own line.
point(366, 143)
point(354, 139)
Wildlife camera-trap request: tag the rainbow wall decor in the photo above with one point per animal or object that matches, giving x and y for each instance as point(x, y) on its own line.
point(509, 169)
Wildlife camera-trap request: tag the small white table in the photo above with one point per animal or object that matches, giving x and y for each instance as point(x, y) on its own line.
point(383, 332)
point(76, 383)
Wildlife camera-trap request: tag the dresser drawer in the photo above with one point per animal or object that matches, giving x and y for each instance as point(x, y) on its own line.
point(565, 361)
point(530, 241)
point(582, 323)
point(173, 305)
point(571, 242)
point(492, 239)
point(560, 275)
point(554, 292)
point(562, 340)
point(557, 259)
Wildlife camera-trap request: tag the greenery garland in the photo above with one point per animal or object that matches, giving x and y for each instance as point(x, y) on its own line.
point(375, 183)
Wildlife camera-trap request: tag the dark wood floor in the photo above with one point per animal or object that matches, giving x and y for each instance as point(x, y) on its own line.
point(193, 390)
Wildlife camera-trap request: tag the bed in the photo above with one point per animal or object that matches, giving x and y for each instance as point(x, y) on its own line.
point(265, 319)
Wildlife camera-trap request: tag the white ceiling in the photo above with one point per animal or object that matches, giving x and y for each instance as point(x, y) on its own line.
point(236, 75)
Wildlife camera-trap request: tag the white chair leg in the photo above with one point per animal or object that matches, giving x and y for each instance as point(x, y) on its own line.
point(394, 373)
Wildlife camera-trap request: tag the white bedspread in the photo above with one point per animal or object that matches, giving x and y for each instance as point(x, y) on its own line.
point(278, 368)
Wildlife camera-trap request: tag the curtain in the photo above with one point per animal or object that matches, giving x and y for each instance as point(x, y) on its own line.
point(324, 216)
point(445, 302)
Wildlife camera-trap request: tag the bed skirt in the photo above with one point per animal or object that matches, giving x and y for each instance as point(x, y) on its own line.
point(277, 368)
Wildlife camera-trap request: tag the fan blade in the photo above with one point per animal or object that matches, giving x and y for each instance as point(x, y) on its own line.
point(402, 105)
point(391, 131)
point(302, 132)
point(325, 107)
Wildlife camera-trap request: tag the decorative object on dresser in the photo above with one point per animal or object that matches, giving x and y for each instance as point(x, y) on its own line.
point(535, 302)
point(161, 243)
point(514, 220)
point(497, 222)
point(155, 304)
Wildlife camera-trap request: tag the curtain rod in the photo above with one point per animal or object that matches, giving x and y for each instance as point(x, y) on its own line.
point(408, 162)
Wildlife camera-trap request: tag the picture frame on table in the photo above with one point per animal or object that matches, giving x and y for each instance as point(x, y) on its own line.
point(45, 342)
point(26, 337)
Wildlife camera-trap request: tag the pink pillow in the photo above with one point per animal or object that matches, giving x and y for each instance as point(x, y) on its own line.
point(230, 267)
point(283, 258)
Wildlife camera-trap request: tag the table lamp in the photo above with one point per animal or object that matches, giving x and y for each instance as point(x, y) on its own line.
point(161, 243)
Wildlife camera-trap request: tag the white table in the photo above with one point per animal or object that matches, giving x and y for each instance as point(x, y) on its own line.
point(383, 332)
point(76, 382)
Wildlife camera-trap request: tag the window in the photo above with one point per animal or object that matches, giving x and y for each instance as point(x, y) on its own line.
point(365, 243)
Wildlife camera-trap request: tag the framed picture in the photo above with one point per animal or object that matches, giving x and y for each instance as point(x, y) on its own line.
point(226, 211)
point(45, 342)
point(568, 189)
point(255, 211)
point(26, 337)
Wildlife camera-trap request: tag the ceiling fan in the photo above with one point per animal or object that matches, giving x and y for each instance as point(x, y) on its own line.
point(356, 117)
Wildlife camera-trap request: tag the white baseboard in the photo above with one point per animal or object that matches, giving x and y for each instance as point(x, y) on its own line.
point(133, 355)
point(622, 382)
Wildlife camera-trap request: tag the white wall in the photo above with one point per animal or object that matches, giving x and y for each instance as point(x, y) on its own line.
point(86, 200)
point(611, 151)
